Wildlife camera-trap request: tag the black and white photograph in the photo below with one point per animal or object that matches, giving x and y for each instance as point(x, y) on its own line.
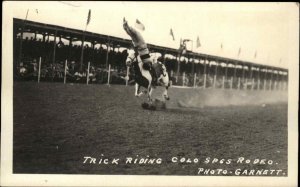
point(131, 93)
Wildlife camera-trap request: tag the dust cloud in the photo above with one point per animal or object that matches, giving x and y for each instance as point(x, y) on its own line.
point(199, 98)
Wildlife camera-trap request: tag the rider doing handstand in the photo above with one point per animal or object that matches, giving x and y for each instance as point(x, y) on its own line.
point(141, 48)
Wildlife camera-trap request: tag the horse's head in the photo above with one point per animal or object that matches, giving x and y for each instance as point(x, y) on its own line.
point(132, 57)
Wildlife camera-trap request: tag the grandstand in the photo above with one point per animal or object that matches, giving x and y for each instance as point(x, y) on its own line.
point(55, 45)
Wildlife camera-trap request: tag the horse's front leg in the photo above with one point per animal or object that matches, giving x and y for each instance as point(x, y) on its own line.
point(150, 89)
point(137, 87)
point(137, 90)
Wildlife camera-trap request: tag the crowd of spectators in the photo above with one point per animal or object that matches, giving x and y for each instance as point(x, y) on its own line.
point(53, 69)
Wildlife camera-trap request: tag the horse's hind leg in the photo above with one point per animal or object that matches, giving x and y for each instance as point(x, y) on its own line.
point(150, 89)
point(165, 93)
point(166, 82)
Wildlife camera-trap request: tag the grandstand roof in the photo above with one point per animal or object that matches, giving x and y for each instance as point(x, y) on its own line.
point(75, 34)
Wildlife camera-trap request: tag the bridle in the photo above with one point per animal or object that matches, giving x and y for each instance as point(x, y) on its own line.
point(133, 59)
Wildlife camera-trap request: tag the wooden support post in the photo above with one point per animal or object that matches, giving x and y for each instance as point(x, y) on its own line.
point(193, 65)
point(107, 51)
point(286, 85)
point(21, 46)
point(93, 52)
point(253, 83)
point(258, 79)
point(39, 72)
point(251, 77)
point(127, 75)
point(183, 78)
point(286, 82)
point(271, 80)
point(223, 81)
point(65, 74)
point(265, 79)
point(234, 74)
point(204, 74)
point(226, 72)
point(215, 76)
point(246, 83)
point(281, 80)
point(44, 37)
point(171, 77)
point(198, 69)
point(21, 38)
point(88, 74)
point(277, 80)
point(54, 47)
point(178, 67)
point(44, 47)
point(279, 85)
point(164, 57)
point(231, 82)
point(195, 78)
point(70, 47)
point(82, 51)
point(108, 76)
point(243, 77)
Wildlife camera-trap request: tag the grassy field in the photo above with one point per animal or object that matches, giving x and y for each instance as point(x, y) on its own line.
point(56, 126)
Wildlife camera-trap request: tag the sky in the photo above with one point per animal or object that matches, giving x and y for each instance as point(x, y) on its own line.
point(267, 29)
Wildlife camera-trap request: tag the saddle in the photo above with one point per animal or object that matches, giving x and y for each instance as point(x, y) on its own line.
point(153, 72)
point(156, 71)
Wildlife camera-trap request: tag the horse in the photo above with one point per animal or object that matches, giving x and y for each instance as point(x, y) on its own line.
point(144, 78)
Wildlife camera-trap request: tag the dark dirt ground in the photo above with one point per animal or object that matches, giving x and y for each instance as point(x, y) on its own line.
point(56, 125)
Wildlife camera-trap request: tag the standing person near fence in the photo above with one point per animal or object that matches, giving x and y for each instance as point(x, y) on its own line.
point(140, 47)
